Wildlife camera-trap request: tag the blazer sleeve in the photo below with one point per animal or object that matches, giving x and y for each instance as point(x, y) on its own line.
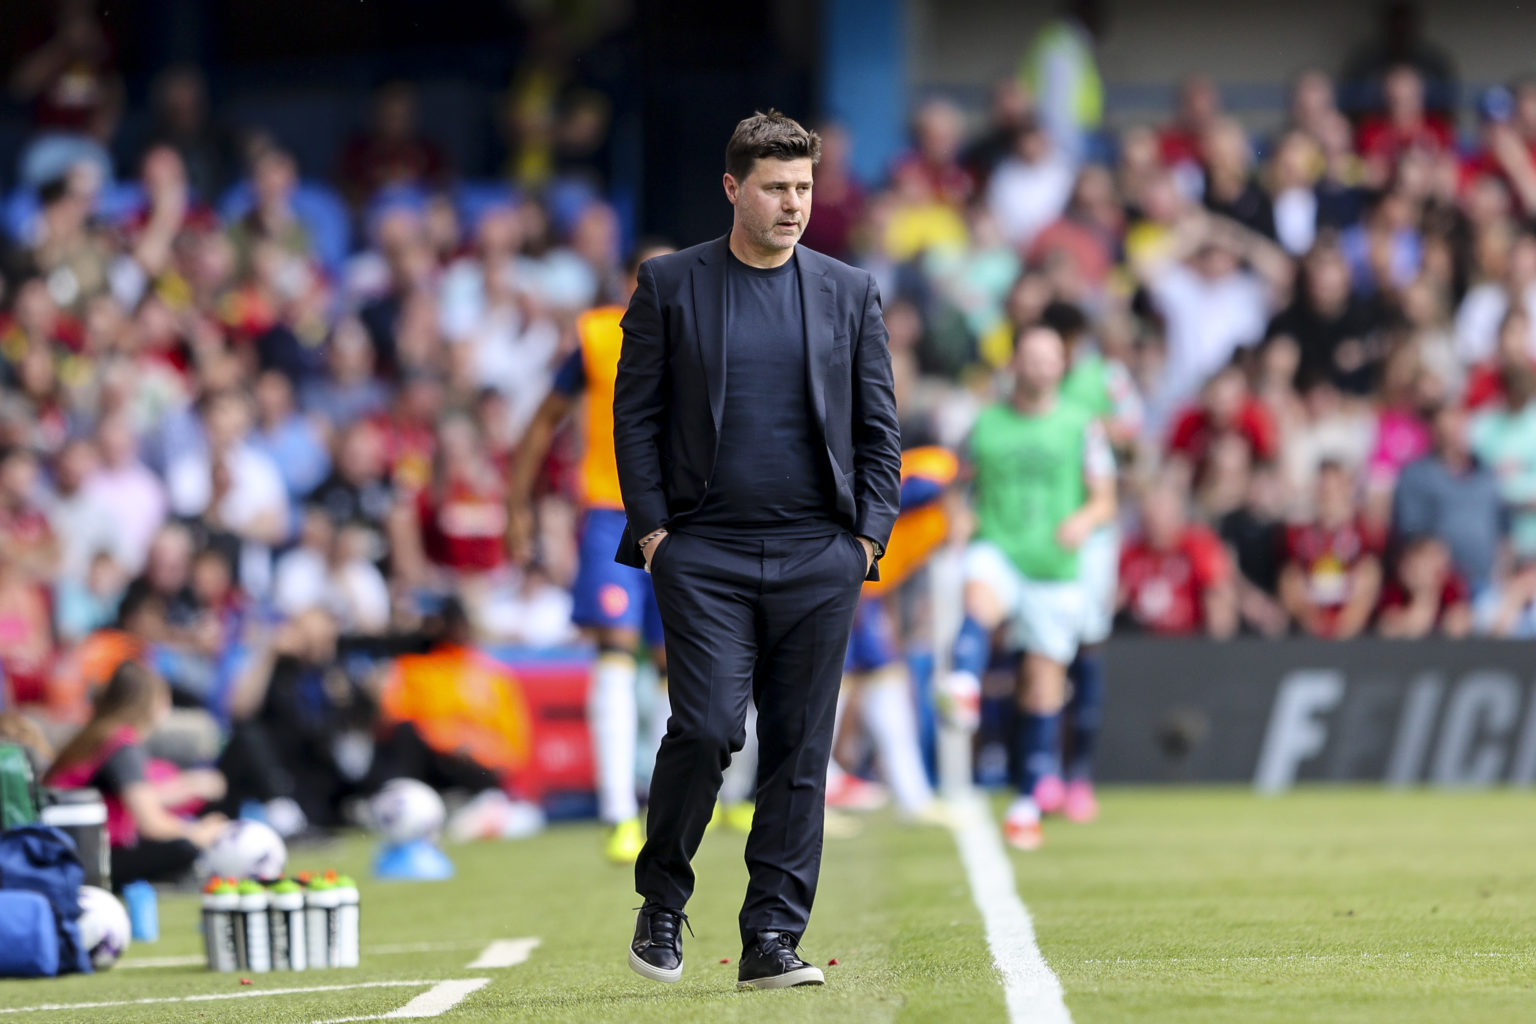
point(639, 407)
point(876, 432)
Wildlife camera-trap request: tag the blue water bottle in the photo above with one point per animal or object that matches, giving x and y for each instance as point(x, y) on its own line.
point(143, 911)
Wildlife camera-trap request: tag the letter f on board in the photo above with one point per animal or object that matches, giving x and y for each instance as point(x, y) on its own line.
point(1296, 731)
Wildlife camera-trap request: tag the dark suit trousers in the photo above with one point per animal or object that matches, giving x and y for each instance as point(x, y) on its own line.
point(763, 620)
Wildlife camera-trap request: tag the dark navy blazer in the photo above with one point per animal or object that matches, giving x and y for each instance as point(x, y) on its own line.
point(670, 391)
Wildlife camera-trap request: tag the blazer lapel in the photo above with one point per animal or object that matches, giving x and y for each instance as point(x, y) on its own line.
point(816, 304)
point(709, 322)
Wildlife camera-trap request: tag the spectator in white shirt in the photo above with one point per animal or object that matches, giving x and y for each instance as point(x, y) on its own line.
point(81, 517)
point(1029, 189)
point(1211, 302)
point(233, 487)
point(1482, 311)
point(330, 569)
point(1293, 186)
point(130, 489)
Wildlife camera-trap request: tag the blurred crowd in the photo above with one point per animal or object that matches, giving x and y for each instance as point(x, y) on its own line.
point(247, 408)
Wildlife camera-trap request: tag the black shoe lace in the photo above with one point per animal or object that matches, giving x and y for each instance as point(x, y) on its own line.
point(664, 921)
point(786, 944)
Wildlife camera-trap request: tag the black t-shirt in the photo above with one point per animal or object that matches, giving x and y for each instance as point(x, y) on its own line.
point(182, 608)
point(771, 476)
point(1258, 544)
point(351, 504)
point(124, 767)
point(1318, 338)
point(1251, 208)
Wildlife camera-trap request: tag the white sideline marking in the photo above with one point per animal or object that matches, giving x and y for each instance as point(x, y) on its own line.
point(208, 997)
point(434, 1002)
point(151, 962)
point(504, 953)
point(438, 999)
point(1282, 957)
point(1032, 990)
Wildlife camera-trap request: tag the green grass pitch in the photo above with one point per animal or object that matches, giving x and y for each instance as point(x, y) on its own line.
point(1178, 906)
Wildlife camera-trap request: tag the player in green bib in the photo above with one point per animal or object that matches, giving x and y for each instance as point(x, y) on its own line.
point(1043, 480)
point(1104, 388)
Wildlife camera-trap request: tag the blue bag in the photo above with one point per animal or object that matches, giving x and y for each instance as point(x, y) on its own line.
point(42, 859)
point(29, 939)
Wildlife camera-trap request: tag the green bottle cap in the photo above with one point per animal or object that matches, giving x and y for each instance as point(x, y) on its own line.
point(224, 887)
point(345, 882)
point(284, 887)
point(250, 887)
point(321, 885)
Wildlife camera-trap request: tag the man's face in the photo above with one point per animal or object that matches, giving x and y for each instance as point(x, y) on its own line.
point(18, 477)
point(773, 202)
point(1335, 497)
point(1040, 361)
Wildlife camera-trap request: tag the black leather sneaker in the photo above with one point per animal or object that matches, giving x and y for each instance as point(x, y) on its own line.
point(657, 949)
point(770, 961)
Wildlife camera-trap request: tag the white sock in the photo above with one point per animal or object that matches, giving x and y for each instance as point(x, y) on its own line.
point(740, 782)
point(1022, 809)
point(611, 719)
point(892, 724)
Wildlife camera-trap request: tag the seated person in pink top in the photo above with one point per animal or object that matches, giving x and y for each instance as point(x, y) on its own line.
point(150, 839)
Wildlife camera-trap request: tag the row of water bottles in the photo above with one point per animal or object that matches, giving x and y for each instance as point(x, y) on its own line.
point(295, 924)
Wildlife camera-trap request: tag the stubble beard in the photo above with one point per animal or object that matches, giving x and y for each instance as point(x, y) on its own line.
point(769, 238)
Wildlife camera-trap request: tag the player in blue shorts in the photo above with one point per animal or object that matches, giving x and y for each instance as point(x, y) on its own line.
point(614, 604)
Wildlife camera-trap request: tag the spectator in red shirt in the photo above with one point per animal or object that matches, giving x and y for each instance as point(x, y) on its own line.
point(1175, 577)
point(933, 168)
point(1226, 409)
point(26, 538)
point(1485, 381)
point(463, 514)
point(1404, 125)
point(1508, 137)
point(840, 200)
point(393, 152)
point(407, 431)
point(1332, 574)
point(1179, 141)
point(26, 636)
point(1425, 595)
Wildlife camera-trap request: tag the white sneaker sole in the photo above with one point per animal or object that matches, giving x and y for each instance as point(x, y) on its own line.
point(645, 970)
point(803, 976)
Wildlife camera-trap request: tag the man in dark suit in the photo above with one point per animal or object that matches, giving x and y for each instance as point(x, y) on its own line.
point(759, 459)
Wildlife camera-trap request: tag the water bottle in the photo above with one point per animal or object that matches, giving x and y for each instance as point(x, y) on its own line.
point(319, 907)
point(143, 911)
point(83, 814)
point(252, 938)
point(285, 922)
point(221, 901)
point(345, 933)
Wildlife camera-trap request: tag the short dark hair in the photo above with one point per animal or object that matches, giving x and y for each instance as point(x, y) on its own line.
point(772, 134)
point(1065, 319)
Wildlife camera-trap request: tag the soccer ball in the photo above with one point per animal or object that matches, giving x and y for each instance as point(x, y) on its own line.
point(406, 810)
point(104, 929)
point(248, 849)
